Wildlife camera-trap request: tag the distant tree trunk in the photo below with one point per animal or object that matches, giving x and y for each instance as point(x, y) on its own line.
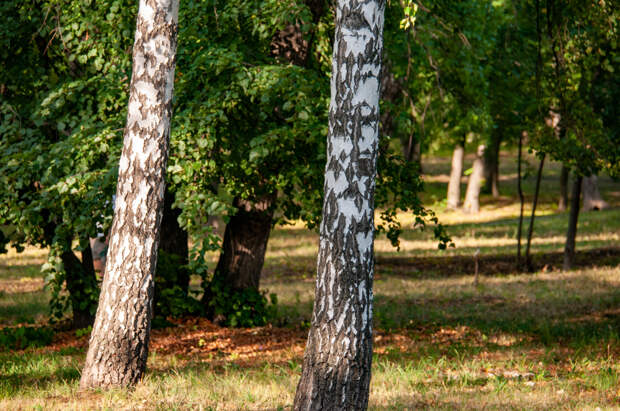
point(563, 202)
point(244, 246)
point(118, 346)
point(521, 198)
point(571, 234)
point(530, 231)
point(337, 360)
point(472, 195)
point(456, 171)
point(592, 199)
point(81, 285)
point(174, 253)
point(491, 165)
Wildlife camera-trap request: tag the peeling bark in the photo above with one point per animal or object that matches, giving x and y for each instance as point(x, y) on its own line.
point(592, 199)
point(474, 183)
point(456, 171)
point(337, 361)
point(118, 345)
point(571, 234)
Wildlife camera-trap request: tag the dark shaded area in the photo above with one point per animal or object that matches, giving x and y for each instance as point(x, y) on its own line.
point(445, 266)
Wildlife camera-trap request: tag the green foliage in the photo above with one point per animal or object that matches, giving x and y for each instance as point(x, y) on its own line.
point(19, 338)
point(240, 308)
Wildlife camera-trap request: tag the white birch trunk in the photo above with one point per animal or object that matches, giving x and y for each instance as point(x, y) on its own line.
point(336, 367)
point(118, 346)
point(472, 195)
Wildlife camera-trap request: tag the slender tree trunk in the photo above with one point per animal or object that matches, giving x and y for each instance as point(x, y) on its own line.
point(244, 246)
point(82, 286)
point(472, 195)
point(456, 171)
point(530, 231)
point(563, 202)
point(592, 199)
point(521, 198)
point(118, 345)
point(337, 361)
point(491, 165)
point(571, 234)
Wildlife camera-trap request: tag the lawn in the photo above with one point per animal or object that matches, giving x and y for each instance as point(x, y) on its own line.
point(513, 340)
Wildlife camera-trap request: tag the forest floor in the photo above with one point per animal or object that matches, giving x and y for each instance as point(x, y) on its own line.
point(511, 340)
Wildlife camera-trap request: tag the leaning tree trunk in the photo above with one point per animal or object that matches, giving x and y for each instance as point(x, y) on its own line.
point(530, 230)
point(337, 361)
point(472, 195)
point(456, 171)
point(118, 345)
point(491, 165)
point(563, 201)
point(81, 285)
point(571, 234)
point(592, 199)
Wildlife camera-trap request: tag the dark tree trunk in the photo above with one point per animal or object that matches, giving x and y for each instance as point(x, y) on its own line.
point(563, 202)
point(244, 246)
point(521, 199)
point(491, 165)
point(337, 360)
point(530, 231)
point(174, 254)
point(592, 199)
point(571, 234)
point(472, 196)
point(456, 171)
point(118, 347)
point(81, 285)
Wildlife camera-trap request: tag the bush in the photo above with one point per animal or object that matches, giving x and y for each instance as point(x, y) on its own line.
point(19, 338)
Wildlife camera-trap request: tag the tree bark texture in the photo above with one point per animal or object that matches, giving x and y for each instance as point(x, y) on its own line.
point(472, 195)
point(337, 361)
point(530, 230)
point(563, 201)
point(456, 171)
point(592, 199)
point(491, 164)
point(81, 282)
point(245, 244)
point(118, 347)
point(571, 234)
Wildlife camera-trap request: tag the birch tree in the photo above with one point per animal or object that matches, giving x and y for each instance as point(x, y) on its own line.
point(118, 347)
point(336, 366)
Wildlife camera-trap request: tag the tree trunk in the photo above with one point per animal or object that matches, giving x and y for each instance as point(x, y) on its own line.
point(563, 202)
point(592, 199)
point(472, 196)
point(521, 198)
point(456, 171)
point(245, 244)
point(337, 361)
point(571, 234)
point(491, 165)
point(174, 253)
point(530, 231)
point(81, 285)
point(118, 345)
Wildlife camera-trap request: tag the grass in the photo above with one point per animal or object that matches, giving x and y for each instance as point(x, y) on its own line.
point(547, 340)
